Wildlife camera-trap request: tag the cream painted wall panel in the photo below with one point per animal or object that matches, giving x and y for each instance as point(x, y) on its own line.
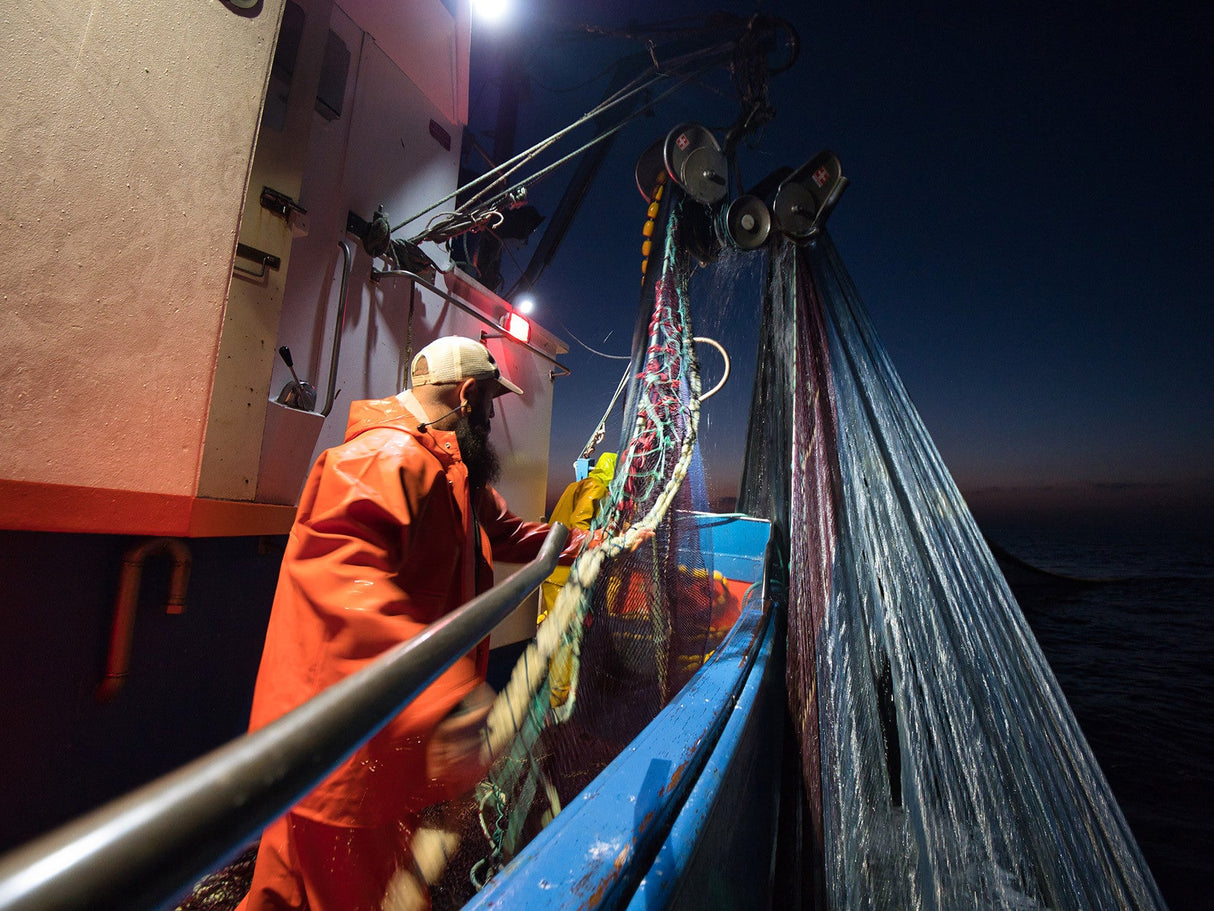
point(232, 450)
point(427, 44)
point(312, 294)
point(388, 158)
point(126, 132)
point(379, 151)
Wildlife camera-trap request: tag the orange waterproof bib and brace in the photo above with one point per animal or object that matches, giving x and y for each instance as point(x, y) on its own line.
point(384, 543)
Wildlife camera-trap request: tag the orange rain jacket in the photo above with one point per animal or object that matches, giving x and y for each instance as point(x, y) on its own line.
point(383, 543)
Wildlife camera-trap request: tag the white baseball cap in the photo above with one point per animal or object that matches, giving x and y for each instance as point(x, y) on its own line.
point(453, 358)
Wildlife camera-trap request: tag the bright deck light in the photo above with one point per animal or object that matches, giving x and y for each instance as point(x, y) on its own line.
point(491, 10)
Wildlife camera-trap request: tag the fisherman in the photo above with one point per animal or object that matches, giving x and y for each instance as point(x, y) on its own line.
point(396, 527)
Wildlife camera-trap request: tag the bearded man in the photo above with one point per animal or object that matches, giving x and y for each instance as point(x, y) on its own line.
point(396, 527)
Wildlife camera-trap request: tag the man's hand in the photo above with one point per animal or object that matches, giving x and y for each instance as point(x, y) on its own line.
point(631, 541)
point(457, 756)
point(641, 536)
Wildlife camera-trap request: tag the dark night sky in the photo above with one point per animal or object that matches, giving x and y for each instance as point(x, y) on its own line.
point(1029, 222)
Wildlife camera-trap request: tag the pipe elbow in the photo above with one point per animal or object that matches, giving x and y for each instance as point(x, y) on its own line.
point(123, 629)
point(177, 551)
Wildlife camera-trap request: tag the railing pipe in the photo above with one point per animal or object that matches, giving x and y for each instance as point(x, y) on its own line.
point(347, 253)
point(377, 274)
point(148, 847)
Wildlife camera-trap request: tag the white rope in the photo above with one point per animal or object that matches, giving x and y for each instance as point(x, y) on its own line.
point(601, 430)
point(725, 356)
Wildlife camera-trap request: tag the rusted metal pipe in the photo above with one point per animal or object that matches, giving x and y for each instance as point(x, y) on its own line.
point(122, 631)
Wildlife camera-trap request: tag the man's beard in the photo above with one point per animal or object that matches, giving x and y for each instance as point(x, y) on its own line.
point(484, 466)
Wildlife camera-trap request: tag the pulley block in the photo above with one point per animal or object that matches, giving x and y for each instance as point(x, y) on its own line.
point(808, 195)
point(691, 156)
point(747, 222)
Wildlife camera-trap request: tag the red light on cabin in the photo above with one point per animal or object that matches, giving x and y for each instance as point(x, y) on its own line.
point(518, 327)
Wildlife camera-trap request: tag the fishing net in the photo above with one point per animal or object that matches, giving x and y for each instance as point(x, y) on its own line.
point(638, 616)
point(942, 764)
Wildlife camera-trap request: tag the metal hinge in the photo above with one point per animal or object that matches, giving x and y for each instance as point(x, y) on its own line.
point(280, 204)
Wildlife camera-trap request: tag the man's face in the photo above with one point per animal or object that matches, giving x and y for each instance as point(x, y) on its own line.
point(480, 400)
point(472, 433)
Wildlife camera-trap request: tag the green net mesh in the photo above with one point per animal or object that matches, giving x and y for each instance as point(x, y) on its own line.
point(637, 618)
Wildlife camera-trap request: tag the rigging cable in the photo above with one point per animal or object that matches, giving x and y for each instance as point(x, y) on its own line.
point(601, 430)
point(641, 83)
point(508, 167)
point(492, 203)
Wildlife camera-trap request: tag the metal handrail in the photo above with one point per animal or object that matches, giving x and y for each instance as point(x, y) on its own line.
point(377, 274)
point(146, 848)
point(347, 260)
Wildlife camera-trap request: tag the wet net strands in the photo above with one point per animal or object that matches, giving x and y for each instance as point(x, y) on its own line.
point(952, 771)
point(627, 630)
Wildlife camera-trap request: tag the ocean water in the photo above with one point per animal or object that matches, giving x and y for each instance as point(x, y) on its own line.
point(1133, 649)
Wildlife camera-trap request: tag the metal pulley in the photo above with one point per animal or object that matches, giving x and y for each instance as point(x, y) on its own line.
point(808, 195)
point(376, 234)
point(690, 156)
point(744, 224)
point(747, 222)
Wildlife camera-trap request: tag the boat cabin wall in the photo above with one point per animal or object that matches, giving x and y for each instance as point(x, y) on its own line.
point(142, 317)
point(126, 132)
point(361, 113)
point(134, 141)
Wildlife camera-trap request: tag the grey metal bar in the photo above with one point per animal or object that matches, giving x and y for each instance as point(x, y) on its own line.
point(377, 274)
point(146, 848)
point(347, 255)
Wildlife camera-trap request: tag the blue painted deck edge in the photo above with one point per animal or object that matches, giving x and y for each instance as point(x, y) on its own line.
point(596, 851)
point(719, 850)
point(736, 543)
